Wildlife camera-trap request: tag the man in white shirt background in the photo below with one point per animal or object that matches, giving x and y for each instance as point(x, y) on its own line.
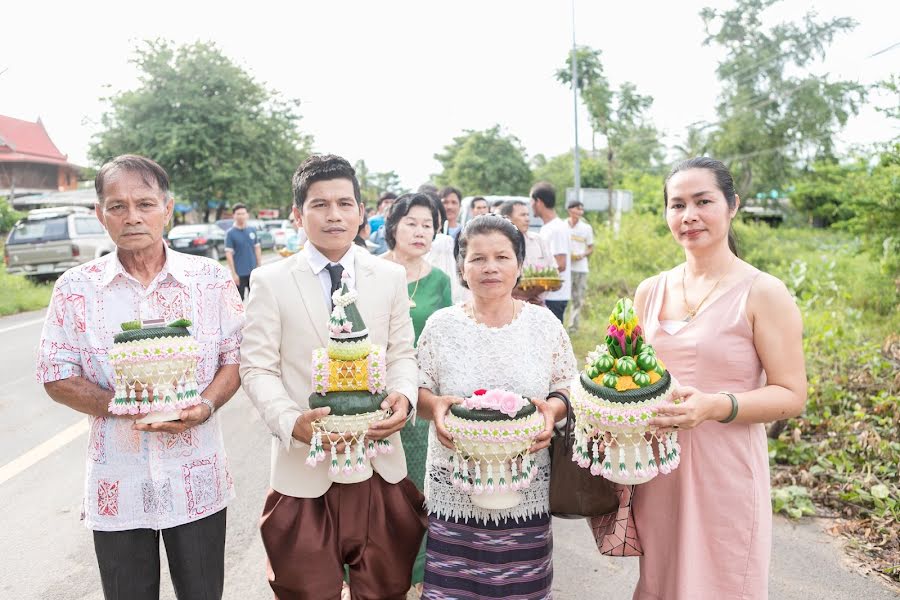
point(555, 232)
point(581, 235)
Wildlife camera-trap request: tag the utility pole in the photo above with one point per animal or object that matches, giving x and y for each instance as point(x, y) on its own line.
point(577, 156)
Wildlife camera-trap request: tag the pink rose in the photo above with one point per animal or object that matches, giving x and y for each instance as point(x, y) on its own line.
point(509, 404)
point(492, 399)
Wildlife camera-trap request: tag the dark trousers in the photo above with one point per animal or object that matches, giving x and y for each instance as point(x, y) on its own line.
point(129, 560)
point(243, 286)
point(373, 527)
point(557, 307)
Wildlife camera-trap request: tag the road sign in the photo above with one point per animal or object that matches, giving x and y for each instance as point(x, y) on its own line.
point(598, 199)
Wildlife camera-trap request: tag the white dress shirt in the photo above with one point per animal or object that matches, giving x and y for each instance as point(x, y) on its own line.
point(140, 479)
point(318, 261)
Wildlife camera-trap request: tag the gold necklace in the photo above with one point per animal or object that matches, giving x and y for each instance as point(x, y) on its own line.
point(692, 312)
point(412, 302)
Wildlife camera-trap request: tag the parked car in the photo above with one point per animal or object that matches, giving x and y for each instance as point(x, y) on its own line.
point(281, 231)
point(204, 239)
point(263, 234)
point(48, 241)
point(265, 237)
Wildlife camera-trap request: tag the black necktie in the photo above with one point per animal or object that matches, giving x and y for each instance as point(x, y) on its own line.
point(335, 271)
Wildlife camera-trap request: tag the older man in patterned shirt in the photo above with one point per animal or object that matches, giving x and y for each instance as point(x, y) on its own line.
point(142, 480)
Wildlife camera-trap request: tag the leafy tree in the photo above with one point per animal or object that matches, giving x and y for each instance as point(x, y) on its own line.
point(820, 192)
point(775, 116)
point(646, 191)
point(560, 171)
point(219, 133)
point(619, 115)
point(373, 184)
point(485, 162)
point(862, 197)
point(696, 143)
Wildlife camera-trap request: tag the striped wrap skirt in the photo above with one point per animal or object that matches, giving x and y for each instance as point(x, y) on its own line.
point(471, 560)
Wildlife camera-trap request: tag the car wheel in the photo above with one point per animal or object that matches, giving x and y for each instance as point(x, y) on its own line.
point(213, 253)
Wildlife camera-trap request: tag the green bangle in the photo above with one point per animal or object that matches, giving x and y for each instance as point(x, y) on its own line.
point(734, 407)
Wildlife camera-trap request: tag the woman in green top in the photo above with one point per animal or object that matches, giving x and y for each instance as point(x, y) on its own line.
point(410, 228)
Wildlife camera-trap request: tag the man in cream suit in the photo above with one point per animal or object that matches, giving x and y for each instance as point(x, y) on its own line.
point(310, 527)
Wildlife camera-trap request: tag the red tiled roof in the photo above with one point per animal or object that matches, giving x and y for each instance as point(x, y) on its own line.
point(24, 141)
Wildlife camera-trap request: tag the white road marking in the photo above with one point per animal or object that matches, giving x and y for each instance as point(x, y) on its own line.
point(42, 451)
point(21, 325)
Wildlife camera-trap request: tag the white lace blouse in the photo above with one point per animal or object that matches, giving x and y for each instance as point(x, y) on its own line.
point(531, 356)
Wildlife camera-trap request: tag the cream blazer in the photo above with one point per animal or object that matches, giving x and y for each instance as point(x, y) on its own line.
point(286, 320)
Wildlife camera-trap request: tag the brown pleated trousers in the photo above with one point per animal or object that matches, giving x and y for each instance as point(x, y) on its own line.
point(374, 527)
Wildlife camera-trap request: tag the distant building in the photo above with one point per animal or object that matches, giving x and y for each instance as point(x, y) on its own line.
point(30, 163)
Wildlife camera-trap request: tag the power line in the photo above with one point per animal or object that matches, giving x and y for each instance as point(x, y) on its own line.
point(888, 49)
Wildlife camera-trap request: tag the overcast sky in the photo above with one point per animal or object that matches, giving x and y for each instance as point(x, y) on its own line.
point(392, 82)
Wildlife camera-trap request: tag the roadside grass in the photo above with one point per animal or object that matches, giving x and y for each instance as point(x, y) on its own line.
point(844, 451)
point(18, 294)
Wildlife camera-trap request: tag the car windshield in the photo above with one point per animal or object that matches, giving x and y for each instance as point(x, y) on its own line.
point(39, 230)
point(88, 226)
point(187, 230)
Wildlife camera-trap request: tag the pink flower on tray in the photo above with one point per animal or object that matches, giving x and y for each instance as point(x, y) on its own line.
point(492, 399)
point(510, 404)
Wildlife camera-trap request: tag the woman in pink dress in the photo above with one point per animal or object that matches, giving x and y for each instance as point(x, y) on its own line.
point(731, 336)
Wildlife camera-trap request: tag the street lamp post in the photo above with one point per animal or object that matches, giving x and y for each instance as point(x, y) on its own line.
point(577, 156)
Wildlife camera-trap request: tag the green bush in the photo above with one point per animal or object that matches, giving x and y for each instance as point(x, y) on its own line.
point(20, 294)
point(8, 215)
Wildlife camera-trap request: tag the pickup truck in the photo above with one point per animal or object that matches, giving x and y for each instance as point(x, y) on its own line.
point(51, 240)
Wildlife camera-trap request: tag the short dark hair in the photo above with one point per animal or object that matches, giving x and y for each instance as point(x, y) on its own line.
point(450, 190)
point(479, 199)
point(149, 171)
point(385, 197)
point(438, 206)
point(545, 192)
point(321, 167)
point(428, 188)
point(401, 208)
point(506, 209)
point(484, 225)
point(724, 181)
point(238, 207)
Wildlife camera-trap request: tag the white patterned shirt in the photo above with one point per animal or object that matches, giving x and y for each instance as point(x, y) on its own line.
point(136, 479)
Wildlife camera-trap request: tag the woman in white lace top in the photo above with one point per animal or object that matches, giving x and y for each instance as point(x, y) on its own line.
point(493, 341)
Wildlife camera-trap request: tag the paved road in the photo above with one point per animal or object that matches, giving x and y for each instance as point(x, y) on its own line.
point(48, 555)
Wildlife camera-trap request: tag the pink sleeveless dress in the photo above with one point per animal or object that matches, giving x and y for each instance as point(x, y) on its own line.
point(706, 528)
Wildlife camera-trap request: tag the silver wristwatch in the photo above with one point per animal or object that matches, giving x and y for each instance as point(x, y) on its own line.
point(209, 403)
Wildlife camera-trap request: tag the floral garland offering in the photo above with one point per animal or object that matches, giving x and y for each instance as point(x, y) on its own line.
point(507, 403)
point(493, 431)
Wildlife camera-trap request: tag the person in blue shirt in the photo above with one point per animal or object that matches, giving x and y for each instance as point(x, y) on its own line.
point(242, 249)
point(384, 205)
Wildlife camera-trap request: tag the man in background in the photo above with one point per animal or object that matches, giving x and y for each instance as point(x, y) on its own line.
point(581, 236)
point(479, 206)
point(555, 233)
point(242, 249)
point(451, 198)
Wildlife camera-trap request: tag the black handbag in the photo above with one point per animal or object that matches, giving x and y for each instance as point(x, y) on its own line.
point(574, 492)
